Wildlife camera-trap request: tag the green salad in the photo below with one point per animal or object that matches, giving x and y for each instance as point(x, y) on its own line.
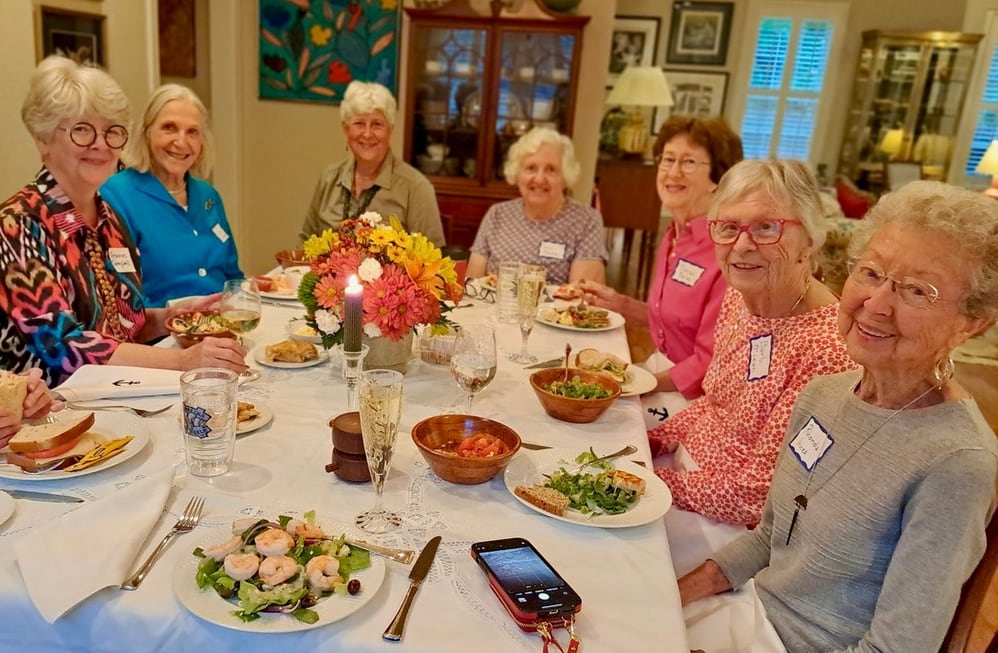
point(576, 388)
point(591, 490)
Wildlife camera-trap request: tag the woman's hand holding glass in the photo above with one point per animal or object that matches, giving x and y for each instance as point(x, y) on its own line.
point(473, 363)
point(240, 308)
point(529, 288)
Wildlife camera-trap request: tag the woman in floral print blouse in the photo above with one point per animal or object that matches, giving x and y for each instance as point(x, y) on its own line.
point(71, 292)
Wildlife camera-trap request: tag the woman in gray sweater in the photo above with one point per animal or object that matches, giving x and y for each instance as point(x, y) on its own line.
point(886, 477)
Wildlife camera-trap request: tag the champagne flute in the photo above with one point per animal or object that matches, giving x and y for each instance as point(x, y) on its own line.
point(473, 363)
point(240, 309)
point(529, 288)
point(380, 410)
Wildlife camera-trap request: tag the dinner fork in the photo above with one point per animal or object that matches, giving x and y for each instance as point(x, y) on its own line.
point(141, 412)
point(186, 523)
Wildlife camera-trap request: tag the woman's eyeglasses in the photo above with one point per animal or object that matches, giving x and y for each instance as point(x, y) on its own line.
point(913, 292)
point(760, 232)
point(83, 134)
point(686, 165)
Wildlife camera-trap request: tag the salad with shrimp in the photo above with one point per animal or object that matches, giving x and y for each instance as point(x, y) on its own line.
point(285, 566)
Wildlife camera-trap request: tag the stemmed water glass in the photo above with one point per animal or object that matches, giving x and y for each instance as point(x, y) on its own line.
point(240, 309)
point(473, 363)
point(380, 410)
point(529, 288)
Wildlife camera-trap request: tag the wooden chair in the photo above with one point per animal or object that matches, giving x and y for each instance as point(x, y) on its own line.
point(974, 628)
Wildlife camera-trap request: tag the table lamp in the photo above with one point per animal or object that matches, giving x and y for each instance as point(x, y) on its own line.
point(638, 86)
point(988, 165)
point(892, 143)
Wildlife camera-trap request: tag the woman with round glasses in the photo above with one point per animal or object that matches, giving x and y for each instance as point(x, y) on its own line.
point(687, 286)
point(885, 480)
point(71, 291)
point(176, 218)
point(776, 330)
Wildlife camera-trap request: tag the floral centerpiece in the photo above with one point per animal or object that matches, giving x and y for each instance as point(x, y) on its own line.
point(407, 280)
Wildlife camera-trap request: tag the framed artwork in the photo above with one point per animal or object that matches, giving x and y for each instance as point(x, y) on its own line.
point(176, 38)
point(695, 93)
point(73, 34)
point(311, 51)
point(634, 43)
point(698, 33)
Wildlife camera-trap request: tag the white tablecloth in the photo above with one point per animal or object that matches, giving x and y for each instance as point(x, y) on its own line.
point(625, 576)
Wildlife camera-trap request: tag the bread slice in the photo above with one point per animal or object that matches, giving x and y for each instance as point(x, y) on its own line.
point(87, 442)
point(545, 498)
point(13, 390)
point(595, 360)
point(627, 481)
point(39, 437)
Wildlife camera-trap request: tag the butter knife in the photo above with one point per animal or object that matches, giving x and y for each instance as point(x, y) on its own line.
point(419, 571)
point(42, 496)
point(554, 362)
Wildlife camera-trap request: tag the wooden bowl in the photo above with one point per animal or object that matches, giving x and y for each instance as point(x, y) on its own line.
point(434, 432)
point(289, 258)
point(567, 409)
point(180, 326)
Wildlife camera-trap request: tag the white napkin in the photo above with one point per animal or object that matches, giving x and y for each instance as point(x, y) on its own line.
point(59, 574)
point(92, 382)
point(732, 622)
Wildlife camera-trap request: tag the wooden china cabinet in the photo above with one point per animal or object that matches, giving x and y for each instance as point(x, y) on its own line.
point(476, 81)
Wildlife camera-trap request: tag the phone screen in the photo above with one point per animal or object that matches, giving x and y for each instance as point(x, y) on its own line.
point(530, 583)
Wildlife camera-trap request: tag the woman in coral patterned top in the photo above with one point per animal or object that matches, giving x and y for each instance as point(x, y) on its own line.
point(776, 330)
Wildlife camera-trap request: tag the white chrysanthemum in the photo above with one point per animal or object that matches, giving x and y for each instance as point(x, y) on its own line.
point(370, 217)
point(327, 321)
point(372, 330)
point(369, 270)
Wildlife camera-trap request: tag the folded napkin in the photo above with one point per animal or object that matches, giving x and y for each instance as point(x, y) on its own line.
point(59, 574)
point(92, 382)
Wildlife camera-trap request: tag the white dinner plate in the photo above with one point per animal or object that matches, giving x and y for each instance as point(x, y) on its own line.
point(292, 327)
point(528, 468)
point(290, 295)
point(639, 381)
point(616, 319)
point(265, 417)
point(6, 507)
point(214, 609)
point(108, 424)
point(259, 355)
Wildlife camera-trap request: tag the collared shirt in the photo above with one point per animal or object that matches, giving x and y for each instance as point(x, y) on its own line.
point(183, 252)
point(52, 302)
point(401, 191)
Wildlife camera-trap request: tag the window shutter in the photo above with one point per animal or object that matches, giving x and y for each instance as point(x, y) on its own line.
point(986, 129)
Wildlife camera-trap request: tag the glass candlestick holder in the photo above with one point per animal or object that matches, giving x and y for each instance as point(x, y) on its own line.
point(353, 366)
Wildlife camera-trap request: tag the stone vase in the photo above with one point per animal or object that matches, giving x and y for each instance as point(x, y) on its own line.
point(388, 354)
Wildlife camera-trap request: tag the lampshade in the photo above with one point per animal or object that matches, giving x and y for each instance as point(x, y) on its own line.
point(641, 86)
point(988, 164)
point(892, 142)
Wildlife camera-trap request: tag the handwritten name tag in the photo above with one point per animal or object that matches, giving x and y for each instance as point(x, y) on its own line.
point(220, 233)
point(760, 356)
point(551, 249)
point(687, 273)
point(121, 259)
point(811, 443)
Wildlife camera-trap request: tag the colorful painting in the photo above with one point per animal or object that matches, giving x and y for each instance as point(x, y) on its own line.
point(311, 49)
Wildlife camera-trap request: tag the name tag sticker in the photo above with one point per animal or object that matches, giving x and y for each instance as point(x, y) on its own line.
point(121, 259)
point(687, 273)
point(220, 233)
point(811, 443)
point(760, 356)
point(551, 249)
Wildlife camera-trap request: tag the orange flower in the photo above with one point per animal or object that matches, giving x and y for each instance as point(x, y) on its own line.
point(326, 293)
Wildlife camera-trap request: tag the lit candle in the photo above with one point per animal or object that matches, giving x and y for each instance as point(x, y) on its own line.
point(352, 315)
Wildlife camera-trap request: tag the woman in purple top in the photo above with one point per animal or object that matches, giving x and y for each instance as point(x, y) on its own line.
point(685, 296)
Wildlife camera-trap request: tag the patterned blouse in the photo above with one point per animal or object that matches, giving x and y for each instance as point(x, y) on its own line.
point(734, 431)
point(70, 294)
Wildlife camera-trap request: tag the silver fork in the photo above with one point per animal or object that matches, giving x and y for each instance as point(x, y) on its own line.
point(186, 523)
point(141, 412)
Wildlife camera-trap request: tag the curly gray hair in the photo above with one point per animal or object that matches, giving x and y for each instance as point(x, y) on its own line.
point(362, 98)
point(531, 143)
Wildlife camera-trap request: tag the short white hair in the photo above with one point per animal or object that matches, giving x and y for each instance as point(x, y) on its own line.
point(137, 155)
point(362, 98)
point(531, 143)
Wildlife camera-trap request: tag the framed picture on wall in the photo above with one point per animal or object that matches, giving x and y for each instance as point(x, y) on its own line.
point(634, 43)
point(698, 33)
point(73, 34)
point(695, 93)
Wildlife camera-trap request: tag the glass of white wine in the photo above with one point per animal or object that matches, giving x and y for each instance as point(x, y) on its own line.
point(380, 411)
point(240, 308)
point(529, 288)
point(473, 363)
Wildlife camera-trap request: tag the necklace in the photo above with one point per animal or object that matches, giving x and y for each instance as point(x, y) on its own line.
point(179, 191)
point(807, 286)
point(800, 501)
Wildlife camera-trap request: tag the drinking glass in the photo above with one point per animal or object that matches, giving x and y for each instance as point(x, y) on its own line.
point(240, 308)
point(529, 288)
point(473, 363)
point(380, 410)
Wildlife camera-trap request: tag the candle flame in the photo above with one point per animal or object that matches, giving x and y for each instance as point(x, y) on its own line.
point(353, 282)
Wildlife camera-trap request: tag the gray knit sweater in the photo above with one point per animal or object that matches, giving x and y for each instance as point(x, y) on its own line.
point(877, 560)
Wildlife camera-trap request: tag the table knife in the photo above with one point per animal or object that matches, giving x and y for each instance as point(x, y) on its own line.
point(42, 496)
point(419, 570)
point(554, 362)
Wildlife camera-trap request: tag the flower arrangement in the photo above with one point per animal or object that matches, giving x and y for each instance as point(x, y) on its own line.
point(406, 279)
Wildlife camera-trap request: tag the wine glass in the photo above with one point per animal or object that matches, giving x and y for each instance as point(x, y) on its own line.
point(240, 308)
point(380, 410)
point(529, 288)
point(473, 363)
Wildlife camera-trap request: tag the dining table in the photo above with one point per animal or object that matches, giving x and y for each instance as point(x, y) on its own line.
point(625, 577)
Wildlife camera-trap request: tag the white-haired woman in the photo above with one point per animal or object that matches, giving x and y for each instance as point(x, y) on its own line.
point(544, 226)
point(176, 218)
point(71, 290)
point(372, 178)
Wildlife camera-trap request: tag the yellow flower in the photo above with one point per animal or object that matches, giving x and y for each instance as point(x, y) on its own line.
point(320, 35)
point(323, 243)
point(381, 238)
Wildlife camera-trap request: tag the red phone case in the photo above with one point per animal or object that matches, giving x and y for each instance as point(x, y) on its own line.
point(527, 621)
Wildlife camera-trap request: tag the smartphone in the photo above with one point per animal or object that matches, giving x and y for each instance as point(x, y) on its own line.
point(524, 581)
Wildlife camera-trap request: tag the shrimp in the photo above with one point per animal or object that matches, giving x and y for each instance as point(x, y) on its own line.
point(277, 569)
point(240, 525)
point(241, 566)
point(273, 542)
point(217, 552)
point(298, 528)
point(322, 573)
